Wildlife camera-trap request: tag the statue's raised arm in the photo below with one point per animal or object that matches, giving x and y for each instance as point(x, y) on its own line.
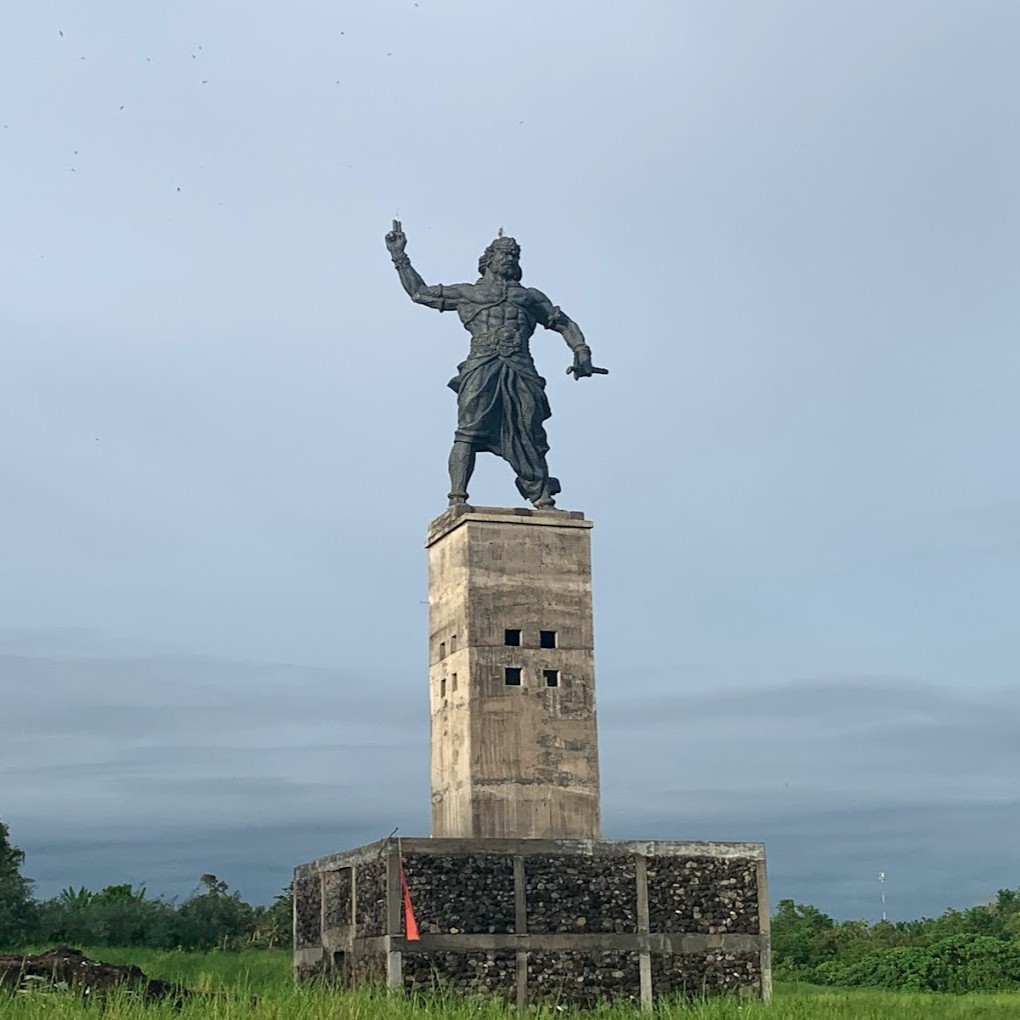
point(442, 298)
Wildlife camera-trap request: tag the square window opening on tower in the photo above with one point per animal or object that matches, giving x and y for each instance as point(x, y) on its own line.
point(547, 639)
point(552, 677)
point(512, 676)
point(512, 638)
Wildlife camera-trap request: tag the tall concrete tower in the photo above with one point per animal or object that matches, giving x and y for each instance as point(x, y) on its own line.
point(515, 894)
point(512, 675)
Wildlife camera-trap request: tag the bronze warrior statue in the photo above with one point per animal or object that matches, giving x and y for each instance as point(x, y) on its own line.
point(501, 400)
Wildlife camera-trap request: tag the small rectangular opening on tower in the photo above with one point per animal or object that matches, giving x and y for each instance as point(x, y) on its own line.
point(453, 643)
point(512, 638)
point(552, 677)
point(442, 687)
point(442, 649)
point(453, 682)
point(512, 675)
point(547, 639)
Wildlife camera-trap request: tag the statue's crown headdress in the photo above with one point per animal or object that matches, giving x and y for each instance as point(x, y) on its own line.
point(501, 242)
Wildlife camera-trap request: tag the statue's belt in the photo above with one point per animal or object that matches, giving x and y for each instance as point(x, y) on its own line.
point(503, 341)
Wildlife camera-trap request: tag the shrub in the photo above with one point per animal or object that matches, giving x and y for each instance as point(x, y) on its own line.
point(961, 963)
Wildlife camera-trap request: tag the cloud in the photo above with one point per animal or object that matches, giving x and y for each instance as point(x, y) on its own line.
point(163, 768)
point(153, 765)
point(841, 778)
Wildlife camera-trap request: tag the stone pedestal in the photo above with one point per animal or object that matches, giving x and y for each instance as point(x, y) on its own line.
point(512, 675)
point(559, 922)
point(516, 895)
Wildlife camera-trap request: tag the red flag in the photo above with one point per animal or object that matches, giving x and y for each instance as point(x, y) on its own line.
point(410, 924)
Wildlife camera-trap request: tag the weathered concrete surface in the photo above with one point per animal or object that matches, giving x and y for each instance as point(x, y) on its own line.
point(516, 761)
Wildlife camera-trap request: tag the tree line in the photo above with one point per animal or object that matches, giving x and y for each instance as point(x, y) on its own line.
point(213, 917)
point(960, 950)
point(977, 949)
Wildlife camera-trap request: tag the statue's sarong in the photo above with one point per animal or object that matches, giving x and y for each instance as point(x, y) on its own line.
point(501, 404)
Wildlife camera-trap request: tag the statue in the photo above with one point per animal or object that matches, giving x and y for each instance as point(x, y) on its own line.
point(501, 402)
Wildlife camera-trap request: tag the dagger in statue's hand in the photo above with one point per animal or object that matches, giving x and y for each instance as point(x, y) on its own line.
point(572, 370)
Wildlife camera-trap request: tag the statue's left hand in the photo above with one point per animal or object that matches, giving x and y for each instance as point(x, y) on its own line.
point(582, 368)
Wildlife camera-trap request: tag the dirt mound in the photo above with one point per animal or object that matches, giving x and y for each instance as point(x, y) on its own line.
point(67, 969)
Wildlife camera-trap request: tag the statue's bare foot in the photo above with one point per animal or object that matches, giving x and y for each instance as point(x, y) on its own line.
point(545, 503)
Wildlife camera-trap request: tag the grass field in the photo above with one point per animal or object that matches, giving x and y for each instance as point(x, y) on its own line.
point(267, 975)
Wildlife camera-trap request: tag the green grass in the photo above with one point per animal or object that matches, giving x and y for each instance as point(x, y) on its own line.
point(267, 975)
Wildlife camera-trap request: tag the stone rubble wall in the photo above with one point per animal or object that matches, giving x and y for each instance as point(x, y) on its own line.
point(580, 895)
point(583, 979)
point(337, 892)
point(307, 912)
point(692, 975)
point(582, 939)
point(366, 969)
point(702, 895)
point(309, 973)
point(477, 972)
point(462, 894)
point(371, 899)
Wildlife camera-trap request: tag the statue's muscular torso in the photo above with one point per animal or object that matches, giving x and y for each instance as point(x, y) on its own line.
point(485, 307)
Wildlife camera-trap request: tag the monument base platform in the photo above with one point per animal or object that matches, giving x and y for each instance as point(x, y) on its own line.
point(570, 922)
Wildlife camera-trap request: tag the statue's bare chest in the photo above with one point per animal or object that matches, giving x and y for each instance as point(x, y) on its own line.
point(487, 308)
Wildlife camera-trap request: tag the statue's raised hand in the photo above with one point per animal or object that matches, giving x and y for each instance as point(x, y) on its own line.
point(396, 240)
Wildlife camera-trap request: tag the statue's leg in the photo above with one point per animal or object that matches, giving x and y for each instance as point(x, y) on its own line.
point(462, 466)
point(539, 491)
point(550, 488)
point(523, 441)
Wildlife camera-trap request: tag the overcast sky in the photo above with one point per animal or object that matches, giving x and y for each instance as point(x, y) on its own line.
point(792, 233)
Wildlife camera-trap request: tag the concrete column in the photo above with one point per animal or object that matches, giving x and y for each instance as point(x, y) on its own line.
point(512, 675)
point(765, 927)
point(643, 927)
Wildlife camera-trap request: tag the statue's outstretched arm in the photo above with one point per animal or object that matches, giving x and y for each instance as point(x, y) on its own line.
point(550, 316)
point(444, 298)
